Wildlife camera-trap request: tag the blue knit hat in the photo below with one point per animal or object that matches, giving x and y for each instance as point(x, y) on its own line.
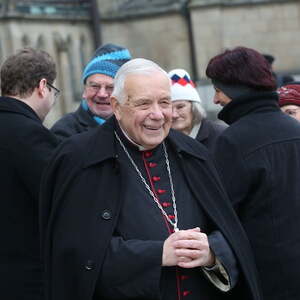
point(107, 60)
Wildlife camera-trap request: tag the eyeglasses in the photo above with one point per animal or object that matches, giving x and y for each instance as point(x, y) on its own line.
point(95, 88)
point(56, 90)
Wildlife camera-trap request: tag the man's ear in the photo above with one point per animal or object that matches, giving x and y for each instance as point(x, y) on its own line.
point(42, 88)
point(84, 94)
point(115, 105)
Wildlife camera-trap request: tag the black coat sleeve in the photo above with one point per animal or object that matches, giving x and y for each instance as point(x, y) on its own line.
point(31, 155)
point(66, 127)
point(59, 172)
point(233, 171)
point(128, 265)
point(224, 253)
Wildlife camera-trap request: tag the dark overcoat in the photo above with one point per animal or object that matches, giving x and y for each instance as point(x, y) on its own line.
point(209, 132)
point(73, 123)
point(25, 148)
point(259, 160)
point(81, 202)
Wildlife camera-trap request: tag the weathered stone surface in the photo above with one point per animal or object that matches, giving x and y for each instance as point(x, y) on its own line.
point(122, 9)
point(195, 3)
point(268, 27)
point(163, 39)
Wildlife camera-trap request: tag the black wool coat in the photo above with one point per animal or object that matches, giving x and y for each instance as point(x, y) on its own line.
point(209, 132)
point(25, 147)
point(81, 202)
point(258, 157)
point(73, 123)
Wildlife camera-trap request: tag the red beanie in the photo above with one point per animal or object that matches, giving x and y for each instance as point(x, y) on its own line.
point(289, 94)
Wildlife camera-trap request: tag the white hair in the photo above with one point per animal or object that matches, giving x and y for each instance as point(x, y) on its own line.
point(134, 66)
point(198, 112)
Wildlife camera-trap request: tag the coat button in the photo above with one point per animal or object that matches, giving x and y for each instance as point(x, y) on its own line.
point(161, 191)
point(89, 265)
point(156, 178)
point(152, 165)
point(186, 293)
point(106, 215)
point(148, 154)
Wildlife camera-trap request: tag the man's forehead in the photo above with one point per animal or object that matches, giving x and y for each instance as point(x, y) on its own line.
point(135, 98)
point(100, 78)
point(158, 78)
point(146, 75)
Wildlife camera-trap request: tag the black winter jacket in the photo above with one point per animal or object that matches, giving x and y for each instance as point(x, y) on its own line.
point(25, 147)
point(73, 123)
point(209, 132)
point(258, 157)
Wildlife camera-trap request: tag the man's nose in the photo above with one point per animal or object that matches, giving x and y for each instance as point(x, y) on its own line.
point(216, 99)
point(156, 112)
point(102, 92)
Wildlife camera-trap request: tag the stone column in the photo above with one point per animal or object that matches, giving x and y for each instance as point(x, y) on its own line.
point(63, 80)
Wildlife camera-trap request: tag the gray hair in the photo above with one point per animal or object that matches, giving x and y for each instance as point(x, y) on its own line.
point(134, 66)
point(198, 112)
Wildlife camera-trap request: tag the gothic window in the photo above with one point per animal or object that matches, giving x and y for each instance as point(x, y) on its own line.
point(72, 69)
point(82, 51)
point(1, 51)
point(1, 55)
point(40, 44)
point(25, 41)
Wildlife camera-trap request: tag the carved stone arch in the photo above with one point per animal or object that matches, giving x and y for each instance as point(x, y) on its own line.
point(40, 43)
point(60, 43)
point(63, 82)
point(74, 74)
point(83, 51)
point(25, 40)
point(1, 52)
point(69, 40)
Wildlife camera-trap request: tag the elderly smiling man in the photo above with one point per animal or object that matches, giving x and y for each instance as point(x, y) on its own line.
point(97, 78)
point(132, 210)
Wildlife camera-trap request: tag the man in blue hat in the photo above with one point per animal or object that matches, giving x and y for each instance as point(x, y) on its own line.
point(97, 78)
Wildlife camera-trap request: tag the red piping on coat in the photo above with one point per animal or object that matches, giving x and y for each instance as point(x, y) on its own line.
point(170, 230)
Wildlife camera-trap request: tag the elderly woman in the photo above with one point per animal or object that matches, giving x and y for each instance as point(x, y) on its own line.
point(258, 157)
point(188, 112)
point(289, 100)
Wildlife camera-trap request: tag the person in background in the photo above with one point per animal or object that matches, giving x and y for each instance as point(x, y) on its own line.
point(97, 78)
point(258, 158)
point(26, 145)
point(281, 79)
point(132, 210)
point(189, 116)
point(289, 100)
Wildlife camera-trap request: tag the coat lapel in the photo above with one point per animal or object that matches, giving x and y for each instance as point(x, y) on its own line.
point(84, 118)
point(203, 131)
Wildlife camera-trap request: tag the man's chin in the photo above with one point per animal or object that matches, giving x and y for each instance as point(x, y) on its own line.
point(153, 141)
point(103, 114)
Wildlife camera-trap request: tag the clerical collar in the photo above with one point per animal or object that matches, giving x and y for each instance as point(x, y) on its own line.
point(141, 148)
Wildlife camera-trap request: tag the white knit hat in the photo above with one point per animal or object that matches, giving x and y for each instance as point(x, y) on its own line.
point(183, 88)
